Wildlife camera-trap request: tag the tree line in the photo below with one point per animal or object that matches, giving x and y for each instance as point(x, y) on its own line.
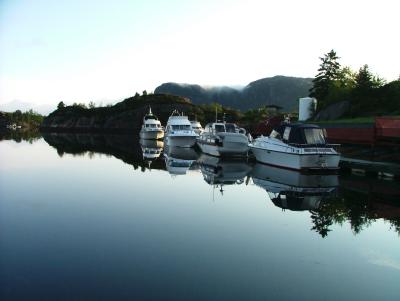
point(28, 119)
point(367, 93)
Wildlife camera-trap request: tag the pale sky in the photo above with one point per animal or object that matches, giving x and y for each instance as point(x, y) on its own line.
point(107, 50)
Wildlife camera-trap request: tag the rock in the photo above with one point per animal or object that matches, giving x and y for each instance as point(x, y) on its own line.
point(333, 111)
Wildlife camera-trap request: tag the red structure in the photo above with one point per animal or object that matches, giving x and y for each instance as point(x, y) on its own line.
point(383, 130)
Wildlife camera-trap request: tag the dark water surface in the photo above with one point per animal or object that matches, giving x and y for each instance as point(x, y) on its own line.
point(83, 217)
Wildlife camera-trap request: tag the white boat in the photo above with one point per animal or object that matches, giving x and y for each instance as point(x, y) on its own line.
point(196, 127)
point(178, 132)
point(223, 139)
point(296, 146)
point(293, 190)
point(151, 127)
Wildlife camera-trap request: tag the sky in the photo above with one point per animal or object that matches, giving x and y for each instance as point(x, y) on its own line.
point(105, 51)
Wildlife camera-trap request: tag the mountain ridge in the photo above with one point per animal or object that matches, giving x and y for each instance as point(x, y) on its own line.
point(278, 90)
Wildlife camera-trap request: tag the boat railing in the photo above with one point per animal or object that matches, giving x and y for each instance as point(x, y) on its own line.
point(336, 147)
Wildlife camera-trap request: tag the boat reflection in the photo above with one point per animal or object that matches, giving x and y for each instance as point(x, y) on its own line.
point(178, 160)
point(219, 172)
point(151, 149)
point(293, 190)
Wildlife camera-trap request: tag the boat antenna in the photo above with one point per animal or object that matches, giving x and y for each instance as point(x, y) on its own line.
point(150, 113)
point(216, 113)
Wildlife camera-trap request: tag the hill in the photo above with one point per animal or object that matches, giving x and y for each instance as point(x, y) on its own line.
point(278, 90)
point(124, 116)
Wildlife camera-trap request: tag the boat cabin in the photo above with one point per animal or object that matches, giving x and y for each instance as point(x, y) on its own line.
point(222, 127)
point(300, 134)
point(178, 123)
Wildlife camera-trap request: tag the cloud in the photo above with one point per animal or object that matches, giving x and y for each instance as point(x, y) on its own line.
point(381, 260)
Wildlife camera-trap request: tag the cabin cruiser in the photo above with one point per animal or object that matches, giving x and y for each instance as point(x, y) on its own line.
point(178, 132)
point(223, 139)
point(151, 127)
point(296, 146)
point(179, 160)
point(293, 190)
point(217, 171)
point(196, 127)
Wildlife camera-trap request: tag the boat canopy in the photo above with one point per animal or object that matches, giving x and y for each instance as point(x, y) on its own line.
point(150, 116)
point(299, 133)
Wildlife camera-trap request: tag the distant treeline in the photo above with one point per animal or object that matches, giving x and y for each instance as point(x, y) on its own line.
point(367, 93)
point(28, 119)
point(128, 113)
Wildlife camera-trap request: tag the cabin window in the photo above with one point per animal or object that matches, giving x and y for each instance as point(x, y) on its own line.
point(314, 136)
point(219, 128)
point(286, 133)
point(181, 127)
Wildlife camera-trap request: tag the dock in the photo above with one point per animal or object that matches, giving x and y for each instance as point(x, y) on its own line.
point(371, 168)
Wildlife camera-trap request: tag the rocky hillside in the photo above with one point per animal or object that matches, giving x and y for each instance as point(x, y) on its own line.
point(125, 116)
point(278, 90)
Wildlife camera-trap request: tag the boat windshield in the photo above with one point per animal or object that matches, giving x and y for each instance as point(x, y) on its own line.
point(230, 128)
point(219, 128)
point(181, 127)
point(314, 136)
point(153, 125)
point(147, 117)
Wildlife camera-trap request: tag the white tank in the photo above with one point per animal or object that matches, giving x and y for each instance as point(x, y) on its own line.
point(307, 107)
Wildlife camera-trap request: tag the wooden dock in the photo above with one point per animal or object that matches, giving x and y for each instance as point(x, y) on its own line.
point(371, 168)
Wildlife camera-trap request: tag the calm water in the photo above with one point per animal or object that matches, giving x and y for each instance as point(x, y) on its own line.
point(84, 218)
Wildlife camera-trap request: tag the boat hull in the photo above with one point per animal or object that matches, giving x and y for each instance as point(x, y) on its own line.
point(225, 145)
point(151, 135)
point(297, 161)
point(180, 141)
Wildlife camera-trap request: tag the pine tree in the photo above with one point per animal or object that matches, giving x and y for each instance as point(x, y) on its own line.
point(328, 73)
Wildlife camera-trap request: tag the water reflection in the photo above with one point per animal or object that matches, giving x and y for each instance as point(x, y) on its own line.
point(123, 147)
point(151, 150)
point(219, 172)
point(289, 189)
point(178, 160)
point(330, 199)
point(20, 135)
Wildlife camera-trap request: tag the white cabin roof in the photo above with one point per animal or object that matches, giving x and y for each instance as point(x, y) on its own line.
point(152, 121)
point(178, 120)
point(195, 123)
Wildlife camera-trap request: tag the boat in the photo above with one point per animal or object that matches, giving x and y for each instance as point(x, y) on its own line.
point(179, 160)
point(178, 132)
point(293, 190)
point(296, 146)
point(196, 127)
point(223, 139)
point(151, 127)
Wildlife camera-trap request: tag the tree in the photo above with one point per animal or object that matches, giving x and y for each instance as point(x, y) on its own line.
point(364, 79)
point(92, 105)
point(144, 93)
point(328, 74)
point(60, 105)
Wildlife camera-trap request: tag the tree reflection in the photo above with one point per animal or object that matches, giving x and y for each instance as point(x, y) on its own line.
point(359, 208)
